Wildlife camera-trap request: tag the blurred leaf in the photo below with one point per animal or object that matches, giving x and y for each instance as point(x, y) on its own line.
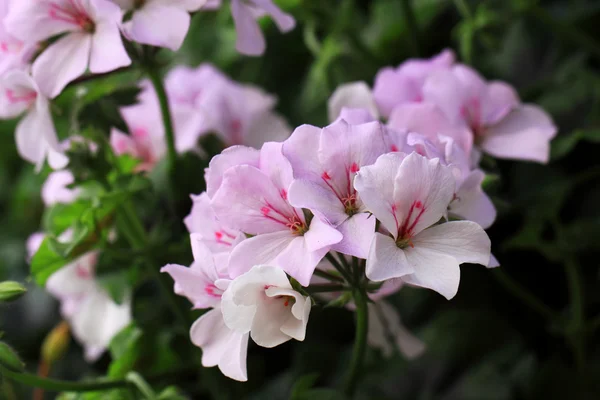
point(45, 262)
point(302, 385)
point(125, 349)
point(10, 291)
point(321, 394)
point(564, 144)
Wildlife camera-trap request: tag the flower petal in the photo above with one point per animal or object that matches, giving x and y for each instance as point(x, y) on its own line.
point(352, 95)
point(358, 232)
point(386, 260)
point(433, 270)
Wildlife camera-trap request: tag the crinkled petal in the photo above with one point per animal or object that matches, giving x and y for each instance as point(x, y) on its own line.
point(386, 260)
point(433, 270)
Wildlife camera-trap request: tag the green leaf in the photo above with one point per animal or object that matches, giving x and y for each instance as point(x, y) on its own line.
point(116, 284)
point(60, 217)
point(302, 385)
point(9, 359)
point(564, 144)
point(10, 291)
point(321, 394)
point(45, 262)
point(125, 349)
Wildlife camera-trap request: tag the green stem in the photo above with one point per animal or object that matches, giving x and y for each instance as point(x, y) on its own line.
point(463, 9)
point(328, 275)
point(63, 386)
point(326, 288)
point(360, 341)
point(568, 32)
point(519, 291)
point(413, 27)
point(577, 331)
point(336, 264)
point(159, 87)
point(133, 229)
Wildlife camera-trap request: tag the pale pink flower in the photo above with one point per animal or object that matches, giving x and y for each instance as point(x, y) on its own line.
point(204, 284)
point(35, 135)
point(188, 86)
point(91, 38)
point(147, 134)
point(55, 190)
point(230, 157)
point(501, 125)
point(14, 53)
point(93, 315)
point(409, 195)
point(354, 95)
point(203, 221)
point(325, 162)
point(162, 23)
point(395, 86)
point(250, 40)
point(263, 303)
point(255, 201)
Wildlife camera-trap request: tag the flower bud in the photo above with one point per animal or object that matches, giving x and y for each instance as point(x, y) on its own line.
point(56, 343)
point(10, 290)
point(9, 358)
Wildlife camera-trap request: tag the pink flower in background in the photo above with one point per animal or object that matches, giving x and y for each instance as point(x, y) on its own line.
point(325, 162)
point(14, 53)
point(250, 40)
point(147, 135)
point(395, 86)
point(255, 201)
point(93, 315)
point(55, 190)
point(203, 222)
point(236, 113)
point(35, 135)
point(409, 195)
point(91, 38)
point(353, 95)
point(501, 125)
point(162, 23)
point(204, 284)
point(263, 303)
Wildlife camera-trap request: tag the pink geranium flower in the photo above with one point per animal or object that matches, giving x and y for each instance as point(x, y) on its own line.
point(325, 162)
point(91, 38)
point(255, 201)
point(35, 135)
point(409, 195)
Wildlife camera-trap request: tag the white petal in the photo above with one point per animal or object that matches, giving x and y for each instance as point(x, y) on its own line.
point(352, 95)
point(358, 232)
point(434, 271)
point(107, 52)
point(386, 260)
point(466, 241)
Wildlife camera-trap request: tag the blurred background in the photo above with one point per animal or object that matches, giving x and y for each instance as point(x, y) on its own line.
point(528, 330)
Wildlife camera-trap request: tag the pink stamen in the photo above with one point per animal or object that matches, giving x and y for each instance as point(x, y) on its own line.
point(354, 168)
point(74, 13)
point(28, 97)
point(82, 272)
point(212, 290)
point(283, 194)
point(235, 128)
point(394, 148)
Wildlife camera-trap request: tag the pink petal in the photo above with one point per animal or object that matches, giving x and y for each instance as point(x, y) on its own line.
point(159, 25)
point(352, 95)
point(257, 250)
point(235, 155)
point(358, 232)
point(500, 99)
point(250, 39)
point(302, 150)
point(62, 62)
point(107, 51)
point(524, 134)
point(472, 202)
point(285, 22)
point(321, 235)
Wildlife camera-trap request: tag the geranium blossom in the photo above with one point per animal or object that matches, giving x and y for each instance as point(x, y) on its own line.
point(93, 315)
point(250, 40)
point(501, 125)
point(325, 162)
point(35, 135)
point(409, 195)
point(204, 284)
point(91, 38)
point(161, 23)
point(255, 201)
point(14, 53)
point(263, 303)
point(55, 189)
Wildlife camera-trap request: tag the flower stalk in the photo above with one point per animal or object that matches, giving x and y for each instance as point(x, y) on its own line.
point(360, 341)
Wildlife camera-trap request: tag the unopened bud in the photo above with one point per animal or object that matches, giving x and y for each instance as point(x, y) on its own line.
point(56, 343)
point(10, 290)
point(9, 358)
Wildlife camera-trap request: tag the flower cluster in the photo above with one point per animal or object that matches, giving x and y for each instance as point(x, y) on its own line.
point(398, 203)
point(47, 44)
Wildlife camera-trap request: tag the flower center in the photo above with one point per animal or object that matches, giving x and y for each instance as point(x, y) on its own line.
point(73, 13)
point(406, 230)
point(290, 220)
point(212, 290)
point(27, 96)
